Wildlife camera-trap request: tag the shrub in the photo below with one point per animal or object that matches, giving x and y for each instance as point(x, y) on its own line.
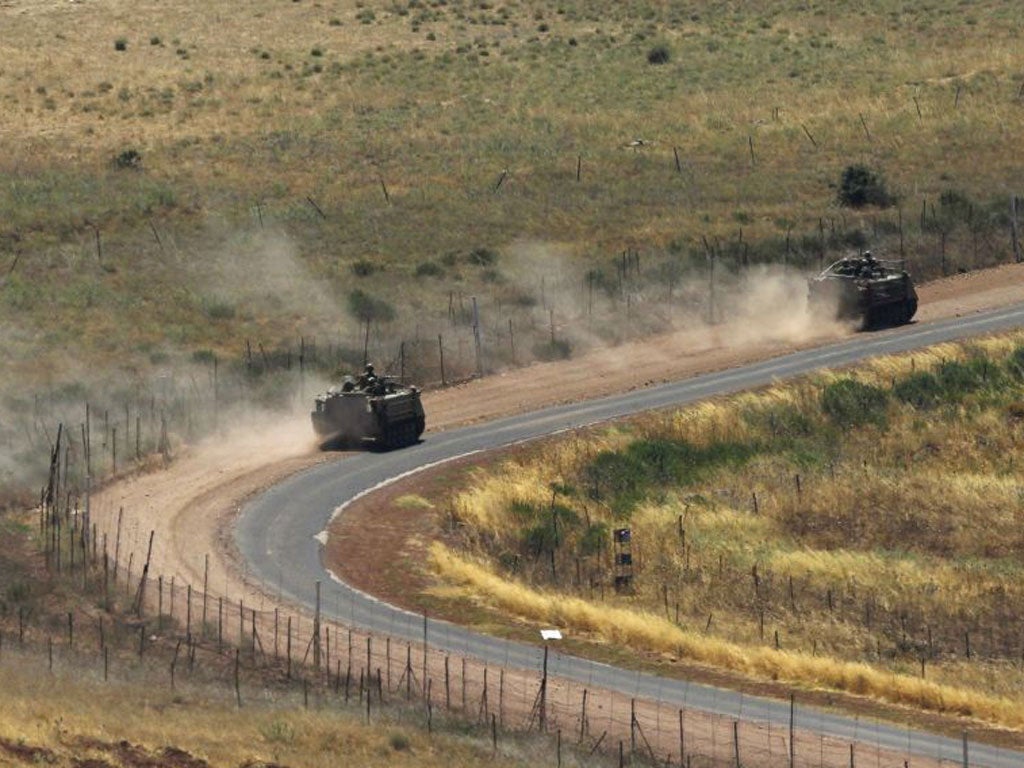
point(782, 420)
point(482, 257)
point(659, 54)
point(366, 307)
point(130, 158)
point(399, 742)
point(921, 390)
point(219, 310)
point(363, 268)
point(625, 477)
point(121, 44)
point(962, 378)
point(850, 403)
point(428, 269)
point(154, 40)
point(278, 732)
point(860, 186)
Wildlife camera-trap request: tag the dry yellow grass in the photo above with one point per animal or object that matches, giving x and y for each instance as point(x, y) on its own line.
point(645, 631)
point(78, 718)
point(895, 552)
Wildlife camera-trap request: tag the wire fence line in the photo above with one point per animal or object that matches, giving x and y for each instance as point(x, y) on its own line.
point(332, 660)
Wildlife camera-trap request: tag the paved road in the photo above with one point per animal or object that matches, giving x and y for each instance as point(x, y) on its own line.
point(277, 532)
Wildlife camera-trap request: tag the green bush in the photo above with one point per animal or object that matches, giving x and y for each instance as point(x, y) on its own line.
point(860, 186)
point(399, 742)
point(428, 269)
point(368, 308)
point(783, 420)
point(130, 158)
point(850, 403)
point(219, 310)
point(921, 390)
point(482, 257)
point(959, 379)
point(363, 268)
point(659, 54)
point(1015, 363)
point(625, 477)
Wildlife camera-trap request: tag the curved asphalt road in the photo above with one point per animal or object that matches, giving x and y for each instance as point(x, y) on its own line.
point(277, 531)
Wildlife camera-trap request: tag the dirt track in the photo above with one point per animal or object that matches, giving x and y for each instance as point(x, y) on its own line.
point(191, 504)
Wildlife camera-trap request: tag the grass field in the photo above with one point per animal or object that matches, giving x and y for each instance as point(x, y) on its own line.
point(186, 184)
point(78, 692)
point(246, 170)
point(859, 531)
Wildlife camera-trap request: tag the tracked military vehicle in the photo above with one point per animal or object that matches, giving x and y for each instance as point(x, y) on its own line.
point(864, 289)
point(374, 411)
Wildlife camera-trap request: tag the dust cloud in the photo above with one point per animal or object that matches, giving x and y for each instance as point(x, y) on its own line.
point(770, 304)
point(764, 304)
point(263, 273)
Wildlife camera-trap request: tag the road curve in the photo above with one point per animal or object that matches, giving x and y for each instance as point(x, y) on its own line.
point(277, 532)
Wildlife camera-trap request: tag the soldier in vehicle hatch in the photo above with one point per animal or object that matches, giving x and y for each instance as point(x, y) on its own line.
point(368, 378)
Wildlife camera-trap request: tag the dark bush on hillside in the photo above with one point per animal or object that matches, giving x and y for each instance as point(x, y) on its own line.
point(860, 186)
point(623, 478)
point(1015, 365)
point(363, 268)
point(130, 158)
point(921, 390)
point(482, 257)
point(366, 308)
point(784, 421)
point(850, 403)
point(428, 269)
point(959, 379)
point(659, 54)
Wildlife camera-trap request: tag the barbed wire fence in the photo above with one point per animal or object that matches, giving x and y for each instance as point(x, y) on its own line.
point(248, 647)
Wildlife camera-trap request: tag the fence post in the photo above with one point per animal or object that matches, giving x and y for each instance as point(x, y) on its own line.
point(682, 738)
point(206, 589)
point(316, 628)
point(792, 730)
point(440, 352)
point(238, 689)
point(583, 716)
point(447, 686)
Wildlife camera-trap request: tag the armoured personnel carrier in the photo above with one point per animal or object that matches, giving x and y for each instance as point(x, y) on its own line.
point(371, 410)
point(862, 288)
